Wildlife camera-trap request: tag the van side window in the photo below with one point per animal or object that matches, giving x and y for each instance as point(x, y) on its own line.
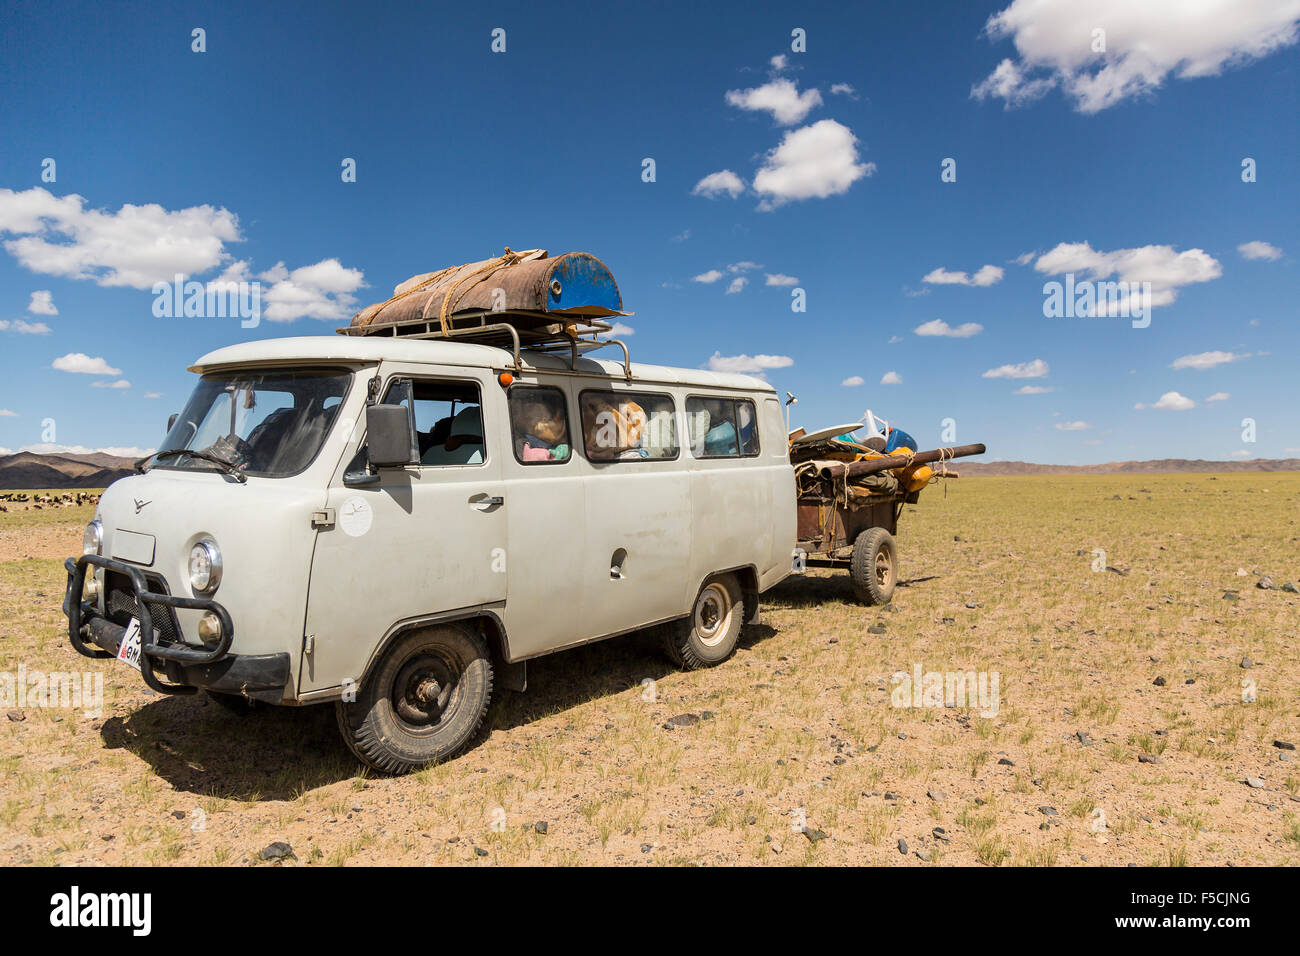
point(448, 420)
point(628, 426)
point(539, 425)
point(722, 427)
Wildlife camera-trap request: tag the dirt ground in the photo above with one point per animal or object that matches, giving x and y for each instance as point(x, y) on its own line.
point(800, 754)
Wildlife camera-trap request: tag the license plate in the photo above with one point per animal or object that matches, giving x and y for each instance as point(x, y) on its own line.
point(129, 650)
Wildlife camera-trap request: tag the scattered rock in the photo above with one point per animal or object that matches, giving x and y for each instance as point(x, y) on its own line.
point(1290, 588)
point(681, 720)
point(1247, 663)
point(938, 796)
point(923, 855)
point(1047, 811)
point(646, 847)
point(814, 836)
point(972, 605)
point(479, 851)
point(1265, 583)
point(1242, 572)
point(1159, 682)
point(1231, 596)
point(876, 629)
point(277, 851)
point(542, 827)
point(902, 847)
point(776, 847)
point(889, 795)
point(1084, 738)
point(941, 834)
point(1255, 783)
point(1283, 745)
point(1005, 762)
point(1149, 758)
point(17, 716)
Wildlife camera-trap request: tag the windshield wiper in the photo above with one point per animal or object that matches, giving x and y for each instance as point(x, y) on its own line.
point(168, 452)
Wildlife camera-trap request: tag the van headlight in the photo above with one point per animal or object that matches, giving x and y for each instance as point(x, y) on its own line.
point(205, 567)
point(92, 540)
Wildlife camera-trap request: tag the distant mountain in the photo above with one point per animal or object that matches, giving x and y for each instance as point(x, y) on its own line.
point(28, 470)
point(1158, 467)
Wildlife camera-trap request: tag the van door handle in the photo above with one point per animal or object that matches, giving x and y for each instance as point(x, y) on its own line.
point(483, 502)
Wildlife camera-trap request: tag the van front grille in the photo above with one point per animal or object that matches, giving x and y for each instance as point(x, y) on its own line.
point(120, 605)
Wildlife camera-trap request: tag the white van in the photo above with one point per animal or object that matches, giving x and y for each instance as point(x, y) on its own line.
point(396, 525)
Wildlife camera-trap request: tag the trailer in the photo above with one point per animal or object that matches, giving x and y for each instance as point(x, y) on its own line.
point(847, 511)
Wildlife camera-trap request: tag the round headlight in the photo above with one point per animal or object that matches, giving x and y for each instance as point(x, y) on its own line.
point(92, 541)
point(205, 567)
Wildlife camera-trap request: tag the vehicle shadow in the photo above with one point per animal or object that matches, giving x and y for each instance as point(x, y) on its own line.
point(802, 591)
point(278, 753)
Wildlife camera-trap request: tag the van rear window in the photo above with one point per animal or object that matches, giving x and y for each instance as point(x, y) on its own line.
point(628, 426)
point(722, 427)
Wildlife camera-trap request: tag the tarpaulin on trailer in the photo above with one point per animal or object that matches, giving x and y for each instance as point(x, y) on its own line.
point(575, 284)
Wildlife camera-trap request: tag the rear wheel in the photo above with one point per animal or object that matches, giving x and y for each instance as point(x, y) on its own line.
point(708, 636)
point(424, 701)
point(874, 566)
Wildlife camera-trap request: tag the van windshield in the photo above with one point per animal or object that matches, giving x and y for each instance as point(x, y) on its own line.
point(269, 424)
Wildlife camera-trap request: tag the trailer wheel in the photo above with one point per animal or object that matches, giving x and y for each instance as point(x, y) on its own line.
point(423, 703)
point(708, 636)
point(874, 567)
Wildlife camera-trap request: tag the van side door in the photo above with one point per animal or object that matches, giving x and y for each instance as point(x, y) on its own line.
point(421, 542)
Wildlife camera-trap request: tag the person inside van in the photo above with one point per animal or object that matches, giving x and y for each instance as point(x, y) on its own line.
point(464, 442)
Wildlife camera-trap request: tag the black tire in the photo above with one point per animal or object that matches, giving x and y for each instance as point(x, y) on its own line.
point(874, 568)
point(708, 636)
point(236, 703)
point(423, 702)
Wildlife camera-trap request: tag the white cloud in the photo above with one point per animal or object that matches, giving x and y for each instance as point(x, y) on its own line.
point(1025, 258)
point(747, 363)
point(891, 378)
point(83, 364)
point(119, 451)
point(1170, 402)
point(1071, 426)
point(853, 381)
point(843, 89)
point(737, 284)
point(1035, 369)
point(942, 328)
point(1259, 250)
point(723, 182)
point(120, 383)
point(895, 339)
point(1145, 43)
point(1034, 390)
point(812, 162)
point(1239, 453)
point(1164, 268)
point(153, 394)
point(682, 236)
point(1218, 397)
point(319, 291)
point(134, 247)
point(42, 303)
point(619, 330)
point(986, 276)
point(6, 413)
point(1204, 360)
point(780, 279)
point(713, 275)
point(779, 62)
point(23, 327)
point(780, 97)
point(743, 266)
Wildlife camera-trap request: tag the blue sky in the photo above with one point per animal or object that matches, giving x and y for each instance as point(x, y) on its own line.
point(1123, 163)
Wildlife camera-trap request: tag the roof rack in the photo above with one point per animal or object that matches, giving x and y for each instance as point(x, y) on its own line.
point(534, 331)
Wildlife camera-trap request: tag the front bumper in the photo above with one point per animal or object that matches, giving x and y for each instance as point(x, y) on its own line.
point(258, 676)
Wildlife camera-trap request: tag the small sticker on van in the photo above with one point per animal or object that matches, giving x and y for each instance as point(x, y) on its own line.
point(355, 516)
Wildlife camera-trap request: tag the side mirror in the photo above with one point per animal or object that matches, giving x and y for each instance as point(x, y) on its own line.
point(390, 436)
point(171, 420)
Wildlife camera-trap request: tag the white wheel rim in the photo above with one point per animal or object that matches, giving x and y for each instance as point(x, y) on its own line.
point(712, 617)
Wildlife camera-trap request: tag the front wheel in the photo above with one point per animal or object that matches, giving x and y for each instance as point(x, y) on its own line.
point(874, 567)
point(424, 701)
point(709, 635)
